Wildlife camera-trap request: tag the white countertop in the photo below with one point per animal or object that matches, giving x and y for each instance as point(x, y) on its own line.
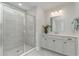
point(68, 35)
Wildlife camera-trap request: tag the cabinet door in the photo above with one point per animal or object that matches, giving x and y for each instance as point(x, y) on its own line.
point(44, 43)
point(59, 45)
point(50, 42)
point(69, 48)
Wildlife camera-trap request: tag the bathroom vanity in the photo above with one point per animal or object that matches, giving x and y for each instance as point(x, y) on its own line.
point(63, 44)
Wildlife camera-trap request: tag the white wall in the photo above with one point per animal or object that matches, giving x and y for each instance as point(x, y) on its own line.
point(71, 11)
point(31, 11)
point(40, 20)
point(1, 51)
point(68, 16)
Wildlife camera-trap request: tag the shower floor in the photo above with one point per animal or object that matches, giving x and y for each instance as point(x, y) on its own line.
point(28, 47)
point(13, 52)
point(17, 51)
point(42, 52)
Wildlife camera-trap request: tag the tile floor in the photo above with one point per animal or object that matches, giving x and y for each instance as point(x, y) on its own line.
point(43, 52)
point(13, 52)
point(27, 47)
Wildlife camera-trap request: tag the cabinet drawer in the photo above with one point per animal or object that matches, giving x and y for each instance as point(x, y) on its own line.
point(44, 43)
point(71, 39)
point(56, 37)
point(69, 48)
point(61, 44)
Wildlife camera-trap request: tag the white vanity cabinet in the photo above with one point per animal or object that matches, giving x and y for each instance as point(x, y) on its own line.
point(55, 44)
point(70, 46)
point(51, 45)
point(44, 42)
point(61, 44)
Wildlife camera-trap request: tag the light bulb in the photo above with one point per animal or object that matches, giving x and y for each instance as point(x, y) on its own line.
point(20, 4)
point(52, 14)
point(61, 12)
point(56, 13)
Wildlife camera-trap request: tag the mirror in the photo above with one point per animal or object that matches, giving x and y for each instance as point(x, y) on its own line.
point(57, 24)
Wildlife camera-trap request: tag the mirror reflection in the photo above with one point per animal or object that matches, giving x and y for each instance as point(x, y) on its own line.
point(57, 24)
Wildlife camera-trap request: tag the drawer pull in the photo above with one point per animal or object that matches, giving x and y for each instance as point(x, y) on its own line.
point(65, 42)
point(18, 51)
point(53, 40)
point(69, 39)
point(45, 39)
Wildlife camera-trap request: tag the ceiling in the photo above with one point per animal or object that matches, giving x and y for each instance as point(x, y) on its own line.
point(44, 5)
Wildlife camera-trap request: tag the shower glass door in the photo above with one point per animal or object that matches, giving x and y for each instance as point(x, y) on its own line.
point(29, 31)
point(1, 22)
point(13, 25)
point(17, 33)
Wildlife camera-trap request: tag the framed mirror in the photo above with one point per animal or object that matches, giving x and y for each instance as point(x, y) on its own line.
point(57, 24)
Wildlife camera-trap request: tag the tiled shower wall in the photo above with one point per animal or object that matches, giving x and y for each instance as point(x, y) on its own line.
point(13, 31)
point(16, 34)
point(30, 30)
point(0, 30)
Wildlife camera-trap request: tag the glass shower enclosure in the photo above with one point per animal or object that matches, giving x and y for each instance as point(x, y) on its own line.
point(17, 31)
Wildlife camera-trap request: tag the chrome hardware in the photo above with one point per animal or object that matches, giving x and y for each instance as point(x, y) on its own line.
point(65, 42)
point(18, 51)
point(69, 39)
point(45, 39)
point(53, 40)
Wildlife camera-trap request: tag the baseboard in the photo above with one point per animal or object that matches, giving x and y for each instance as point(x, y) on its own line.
point(28, 51)
point(37, 48)
point(54, 51)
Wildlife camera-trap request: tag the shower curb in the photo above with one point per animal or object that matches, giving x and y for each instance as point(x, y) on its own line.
point(28, 52)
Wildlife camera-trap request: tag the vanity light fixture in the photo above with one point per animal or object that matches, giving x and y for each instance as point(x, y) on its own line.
point(52, 14)
point(57, 13)
point(20, 4)
point(61, 12)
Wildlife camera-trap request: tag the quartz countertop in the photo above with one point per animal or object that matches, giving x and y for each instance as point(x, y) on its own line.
point(68, 35)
